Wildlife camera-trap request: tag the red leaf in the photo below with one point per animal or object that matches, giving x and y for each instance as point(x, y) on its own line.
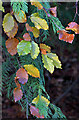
point(11, 45)
point(35, 111)
point(17, 94)
point(26, 37)
point(73, 26)
point(28, 28)
point(22, 75)
point(63, 35)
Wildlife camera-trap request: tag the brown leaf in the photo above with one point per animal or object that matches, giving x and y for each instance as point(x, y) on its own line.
point(28, 28)
point(63, 35)
point(11, 45)
point(26, 37)
point(53, 11)
point(17, 83)
point(74, 27)
point(17, 94)
point(22, 75)
point(13, 32)
point(35, 111)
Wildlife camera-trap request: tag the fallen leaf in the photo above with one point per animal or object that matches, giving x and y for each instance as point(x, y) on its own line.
point(43, 51)
point(74, 27)
point(17, 83)
point(17, 94)
point(35, 111)
point(37, 4)
point(28, 28)
point(53, 11)
point(35, 32)
point(20, 19)
point(11, 45)
point(32, 70)
point(26, 37)
point(63, 35)
point(22, 75)
point(13, 32)
point(45, 47)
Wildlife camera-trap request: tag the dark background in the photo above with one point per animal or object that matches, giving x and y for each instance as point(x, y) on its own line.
point(62, 85)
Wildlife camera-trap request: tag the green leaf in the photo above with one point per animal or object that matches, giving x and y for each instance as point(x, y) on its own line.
point(8, 22)
point(55, 59)
point(1, 7)
point(34, 50)
point(24, 47)
point(48, 63)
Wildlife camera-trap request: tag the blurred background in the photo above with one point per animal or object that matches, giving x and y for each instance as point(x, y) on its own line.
point(62, 85)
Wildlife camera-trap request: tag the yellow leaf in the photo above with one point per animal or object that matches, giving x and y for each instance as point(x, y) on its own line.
point(31, 70)
point(36, 4)
point(19, 18)
point(1, 7)
point(35, 100)
point(39, 23)
point(35, 15)
point(35, 32)
point(45, 47)
point(8, 22)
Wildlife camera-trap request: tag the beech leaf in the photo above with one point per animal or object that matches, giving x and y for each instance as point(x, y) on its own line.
point(39, 23)
point(11, 45)
point(32, 70)
point(36, 4)
point(22, 75)
point(34, 50)
point(19, 18)
point(17, 94)
point(53, 11)
point(1, 7)
point(35, 32)
point(28, 28)
point(73, 26)
point(55, 59)
point(63, 35)
point(26, 37)
point(24, 47)
point(13, 32)
point(45, 47)
point(48, 63)
point(35, 100)
point(35, 111)
point(8, 22)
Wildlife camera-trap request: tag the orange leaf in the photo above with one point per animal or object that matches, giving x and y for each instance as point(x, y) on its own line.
point(28, 28)
point(22, 75)
point(36, 4)
point(17, 83)
point(43, 51)
point(45, 47)
point(74, 27)
point(63, 35)
point(17, 94)
point(26, 37)
point(53, 11)
point(13, 32)
point(35, 111)
point(11, 45)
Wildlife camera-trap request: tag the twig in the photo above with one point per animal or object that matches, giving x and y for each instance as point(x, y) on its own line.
point(76, 13)
point(66, 92)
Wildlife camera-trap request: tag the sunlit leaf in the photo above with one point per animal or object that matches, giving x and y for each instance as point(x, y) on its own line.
point(48, 63)
point(28, 28)
point(35, 14)
point(22, 75)
point(34, 50)
point(35, 111)
point(11, 45)
point(20, 19)
point(55, 59)
point(35, 32)
point(26, 37)
point(24, 47)
point(39, 23)
point(43, 51)
point(35, 100)
point(1, 7)
point(17, 94)
point(36, 4)
point(63, 35)
point(8, 22)
point(32, 70)
point(74, 27)
point(13, 32)
point(53, 11)
point(45, 47)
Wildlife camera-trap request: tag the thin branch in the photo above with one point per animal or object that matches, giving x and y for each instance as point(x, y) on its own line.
point(76, 13)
